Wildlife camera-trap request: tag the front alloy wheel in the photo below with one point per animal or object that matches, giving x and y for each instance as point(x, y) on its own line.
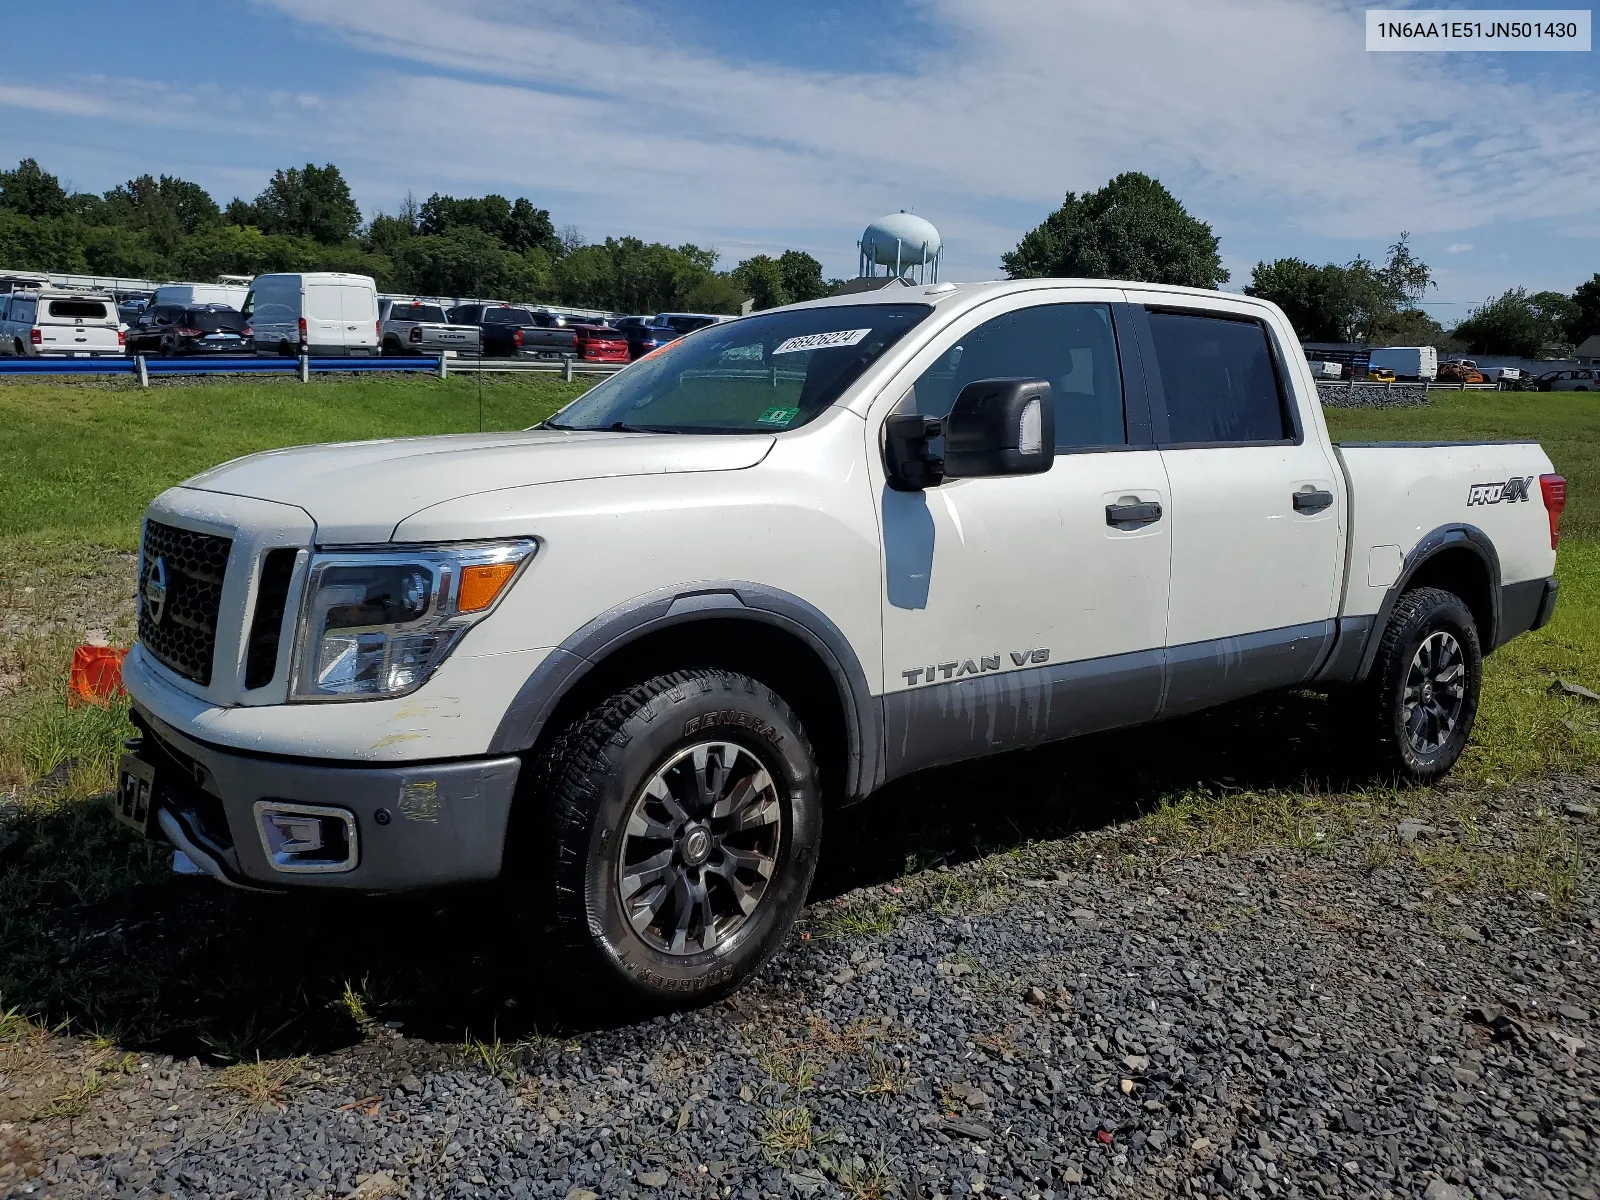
point(699, 848)
point(671, 835)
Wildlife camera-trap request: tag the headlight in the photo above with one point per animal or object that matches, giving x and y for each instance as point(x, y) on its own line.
point(375, 624)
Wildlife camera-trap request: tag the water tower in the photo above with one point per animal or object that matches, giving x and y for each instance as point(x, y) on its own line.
point(904, 244)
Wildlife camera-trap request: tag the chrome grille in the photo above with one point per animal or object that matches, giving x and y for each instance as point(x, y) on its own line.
point(181, 630)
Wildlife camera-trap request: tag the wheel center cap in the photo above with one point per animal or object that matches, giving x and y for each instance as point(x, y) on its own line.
point(696, 846)
point(1427, 691)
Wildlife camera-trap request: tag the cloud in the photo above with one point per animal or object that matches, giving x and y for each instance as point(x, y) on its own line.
point(1240, 106)
point(1256, 114)
point(1458, 247)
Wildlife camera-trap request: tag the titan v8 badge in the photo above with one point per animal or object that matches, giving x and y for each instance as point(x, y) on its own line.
point(977, 666)
point(1508, 492)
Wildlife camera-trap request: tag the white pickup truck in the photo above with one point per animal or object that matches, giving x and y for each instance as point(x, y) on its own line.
point(624, 661)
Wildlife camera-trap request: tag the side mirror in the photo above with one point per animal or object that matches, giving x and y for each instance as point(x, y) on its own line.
point(1000, 427)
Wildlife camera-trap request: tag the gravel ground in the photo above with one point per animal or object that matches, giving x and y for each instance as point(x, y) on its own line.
point(1096, 1015)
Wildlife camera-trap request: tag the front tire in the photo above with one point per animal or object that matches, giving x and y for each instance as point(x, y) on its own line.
point(679, 837)
point(1416, 710)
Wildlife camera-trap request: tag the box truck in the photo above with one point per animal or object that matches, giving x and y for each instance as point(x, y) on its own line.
point(1407, 362)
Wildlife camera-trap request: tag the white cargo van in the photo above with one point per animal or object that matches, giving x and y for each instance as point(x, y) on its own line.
point(318, 312)
point(1407, 362)
point(194, 295)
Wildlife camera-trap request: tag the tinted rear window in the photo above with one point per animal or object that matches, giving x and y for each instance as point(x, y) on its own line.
point(88, 310)
point(1219, 380)
point(214, 320)
point(417, 312)
point(507, 316)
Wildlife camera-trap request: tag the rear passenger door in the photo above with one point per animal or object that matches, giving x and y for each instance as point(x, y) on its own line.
point(1257, 529)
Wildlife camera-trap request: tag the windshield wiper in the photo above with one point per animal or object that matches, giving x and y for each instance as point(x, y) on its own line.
point(614, 427)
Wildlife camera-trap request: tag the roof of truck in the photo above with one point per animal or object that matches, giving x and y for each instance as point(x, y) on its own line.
point(938, 293)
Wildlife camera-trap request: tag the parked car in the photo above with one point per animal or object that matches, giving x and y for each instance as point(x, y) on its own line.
point(1380, 375)
point(419, 327)
point(682, 323)
point(1583, 379)
point(59, 322)
point(511, 330)
point(598, 343)
point(642, 336)
point(191, 295)
point(625, 661)
point(170, 329)
point(315, 313)
point(1321, 369)
point(1406, 362)
point(130, 305)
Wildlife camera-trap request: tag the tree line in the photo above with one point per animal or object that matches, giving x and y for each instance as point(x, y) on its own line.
point(305, 219)
point(1134, 228)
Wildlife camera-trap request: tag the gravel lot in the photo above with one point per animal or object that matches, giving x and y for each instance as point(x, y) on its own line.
point(1102, 1014)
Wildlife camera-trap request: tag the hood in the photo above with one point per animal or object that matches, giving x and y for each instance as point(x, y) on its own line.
point(360, 491)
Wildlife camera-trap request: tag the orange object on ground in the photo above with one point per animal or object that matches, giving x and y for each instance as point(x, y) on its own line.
point(96, 674)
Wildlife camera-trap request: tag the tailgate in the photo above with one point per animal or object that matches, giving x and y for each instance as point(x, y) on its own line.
point(79, 339)
point(449, 337)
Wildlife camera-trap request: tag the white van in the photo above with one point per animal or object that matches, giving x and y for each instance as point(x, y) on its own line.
point(194, 295)
point(318, 312)
point(53, 321)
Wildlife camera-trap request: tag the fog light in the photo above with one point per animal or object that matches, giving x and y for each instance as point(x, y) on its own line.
point(307, 838)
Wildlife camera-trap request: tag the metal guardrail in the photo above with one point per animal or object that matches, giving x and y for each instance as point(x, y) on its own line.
point(145, 369)
point(512, 366)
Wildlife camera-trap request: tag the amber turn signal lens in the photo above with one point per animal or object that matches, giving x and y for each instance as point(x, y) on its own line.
point(480, 585)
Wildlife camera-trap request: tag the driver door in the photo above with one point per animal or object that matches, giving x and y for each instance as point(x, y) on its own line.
point(1015, 611)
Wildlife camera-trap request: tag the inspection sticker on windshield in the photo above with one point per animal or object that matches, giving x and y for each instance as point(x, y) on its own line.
point(777, 416)
point(822, 341)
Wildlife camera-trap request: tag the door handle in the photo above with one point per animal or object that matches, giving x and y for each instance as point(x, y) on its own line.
point(1312, 502)
point(1119, 515)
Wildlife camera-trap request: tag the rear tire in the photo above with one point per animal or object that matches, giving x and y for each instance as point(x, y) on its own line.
point(674, 841)
point(1414, 713)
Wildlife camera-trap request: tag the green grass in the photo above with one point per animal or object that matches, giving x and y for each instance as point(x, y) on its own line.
point(79, 463)
point(1521, 729)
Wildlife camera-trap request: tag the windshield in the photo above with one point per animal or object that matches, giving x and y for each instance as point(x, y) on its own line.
point(762, 374)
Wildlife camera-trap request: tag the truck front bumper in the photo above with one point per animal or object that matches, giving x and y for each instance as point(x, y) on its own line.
point(271, 823)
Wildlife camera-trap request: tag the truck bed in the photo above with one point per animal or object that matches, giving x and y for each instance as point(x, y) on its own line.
point(1404, 493)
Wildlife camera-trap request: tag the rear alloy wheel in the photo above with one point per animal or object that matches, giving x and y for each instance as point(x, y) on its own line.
point(1418, 704)
point(1434, 693)
point(669, 838)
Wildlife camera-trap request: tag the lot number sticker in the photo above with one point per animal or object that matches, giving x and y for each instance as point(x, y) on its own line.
point(822, 341)
point(777, 416)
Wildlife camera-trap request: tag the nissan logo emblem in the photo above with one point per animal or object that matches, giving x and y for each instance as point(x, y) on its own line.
point(155, 591)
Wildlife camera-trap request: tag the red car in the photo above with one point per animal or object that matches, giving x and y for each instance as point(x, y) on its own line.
point(600, 343)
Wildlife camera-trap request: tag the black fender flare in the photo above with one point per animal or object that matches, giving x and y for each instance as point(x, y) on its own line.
point(568, 663)
point(1445, 537)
